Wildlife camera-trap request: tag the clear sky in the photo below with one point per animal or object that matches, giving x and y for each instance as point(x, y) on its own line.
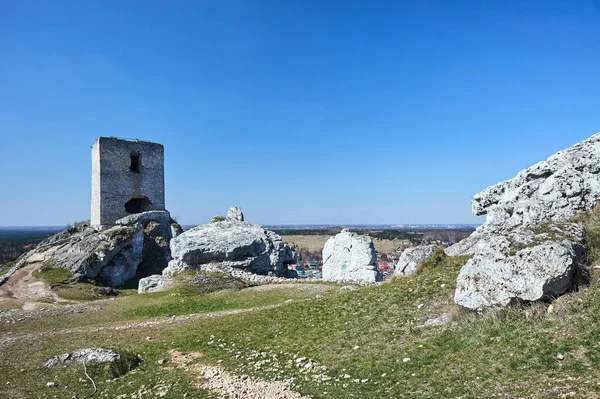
point(298, 111)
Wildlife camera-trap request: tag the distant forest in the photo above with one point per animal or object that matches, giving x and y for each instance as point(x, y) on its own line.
point(12, 242)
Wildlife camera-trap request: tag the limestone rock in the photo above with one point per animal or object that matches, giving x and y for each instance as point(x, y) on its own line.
point(522, 266)
point(231, 244)
point(152, 283)
point(410, 259)
point(555, 190)
point(441, 320)
point(526, 251)
point(110, 255)
point(176, 229)
point(89, 355)
point(137, 245)
point(235, 213)
point(350, 257)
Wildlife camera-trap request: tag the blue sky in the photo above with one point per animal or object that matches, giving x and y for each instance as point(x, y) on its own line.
point(301, 111)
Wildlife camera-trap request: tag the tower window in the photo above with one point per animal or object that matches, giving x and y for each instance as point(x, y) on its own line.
point(134, 166)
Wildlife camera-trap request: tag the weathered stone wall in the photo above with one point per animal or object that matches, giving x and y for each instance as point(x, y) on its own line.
point(114, 183)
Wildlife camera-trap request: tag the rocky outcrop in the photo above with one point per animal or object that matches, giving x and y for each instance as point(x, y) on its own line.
point(235, 213)
point(137, 245)
point(350, 257)
point(522, 266)
point(110, 256)
point(410, 259)
point(231, 244)
point(525, 250)
point(555, 190)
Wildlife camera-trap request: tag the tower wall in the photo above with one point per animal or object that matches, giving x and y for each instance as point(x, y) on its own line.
point(127, 178)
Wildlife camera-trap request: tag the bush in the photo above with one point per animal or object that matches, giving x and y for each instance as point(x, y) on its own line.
point(591, 223)
point(436, 260)
point(439, 260)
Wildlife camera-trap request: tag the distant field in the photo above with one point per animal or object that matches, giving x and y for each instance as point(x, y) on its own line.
point(385, 241)
point(316, 243)
point(312, 243)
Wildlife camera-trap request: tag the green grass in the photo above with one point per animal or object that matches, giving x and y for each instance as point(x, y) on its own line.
point(591, 223)
point(76, 291)
point(53, 276)
point(510, 353)
point(5, 267)
point(439, 260)
point(129, 306)
point(365, 334)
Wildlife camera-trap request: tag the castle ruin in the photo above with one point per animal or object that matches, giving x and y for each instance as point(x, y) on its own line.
point(127, 178)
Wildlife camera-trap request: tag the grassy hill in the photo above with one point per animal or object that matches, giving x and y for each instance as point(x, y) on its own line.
point(332, 343)
point(316, 340)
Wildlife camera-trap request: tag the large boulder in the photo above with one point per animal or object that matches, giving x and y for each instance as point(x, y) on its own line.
point(522, 266)
point(231, 244)
point(88, 356)
point(526, 250)
point(410, 259)
point(350, 257)
point(136, 246)
point(152, 283)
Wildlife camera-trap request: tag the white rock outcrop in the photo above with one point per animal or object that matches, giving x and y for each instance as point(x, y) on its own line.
point(235, 213)
point(555, 190)
point(231, 244)
point(350, 257)
point(526, 250)
point(135, 246)
point(522, 266)
point(410, 259)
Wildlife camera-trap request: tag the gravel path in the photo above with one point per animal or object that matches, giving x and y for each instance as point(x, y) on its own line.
point(226, 384)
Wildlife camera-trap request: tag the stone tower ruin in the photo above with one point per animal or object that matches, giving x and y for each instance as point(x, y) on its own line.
point(127, 177)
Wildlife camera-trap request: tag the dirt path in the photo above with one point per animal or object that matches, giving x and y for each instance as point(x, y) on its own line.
point(8, 339)
point(23, 288)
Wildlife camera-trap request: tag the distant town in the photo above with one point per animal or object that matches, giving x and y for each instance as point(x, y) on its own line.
point(467, 227)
